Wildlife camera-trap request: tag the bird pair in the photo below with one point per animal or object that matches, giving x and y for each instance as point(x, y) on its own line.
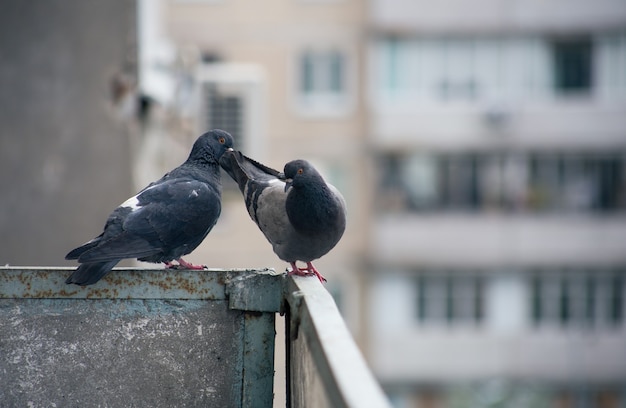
point(301, 215)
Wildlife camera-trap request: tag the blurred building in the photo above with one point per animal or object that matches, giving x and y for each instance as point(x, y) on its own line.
point(482, 151)
point(498, 240)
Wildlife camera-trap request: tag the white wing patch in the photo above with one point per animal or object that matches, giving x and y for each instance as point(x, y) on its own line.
point(132, 203)
point(275, 181)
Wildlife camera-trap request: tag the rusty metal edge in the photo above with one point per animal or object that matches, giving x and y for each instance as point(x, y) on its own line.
point(121, 283)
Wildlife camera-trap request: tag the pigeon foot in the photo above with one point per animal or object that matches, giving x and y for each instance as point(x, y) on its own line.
point(182, 264)
point(308, 271)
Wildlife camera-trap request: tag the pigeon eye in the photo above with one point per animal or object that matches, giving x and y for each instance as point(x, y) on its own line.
point(221, 140)
point(300, 171)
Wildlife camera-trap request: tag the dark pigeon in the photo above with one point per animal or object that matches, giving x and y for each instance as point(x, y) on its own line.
point(164, 221)
point(301, 215)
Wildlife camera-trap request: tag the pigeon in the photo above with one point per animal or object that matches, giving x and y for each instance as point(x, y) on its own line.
point(164, 221)
point(301, 215)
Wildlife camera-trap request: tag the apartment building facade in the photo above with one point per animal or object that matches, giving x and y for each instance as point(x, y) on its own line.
point(499, 134)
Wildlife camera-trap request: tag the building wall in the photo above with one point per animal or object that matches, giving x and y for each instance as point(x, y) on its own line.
point(498, 261)
point(255, 51)
point(66, 77)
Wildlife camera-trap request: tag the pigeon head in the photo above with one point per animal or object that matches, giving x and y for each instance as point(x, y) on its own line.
point(211, 146)
point(299, 173)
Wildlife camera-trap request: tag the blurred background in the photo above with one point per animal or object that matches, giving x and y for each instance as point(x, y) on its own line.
point(481, 147)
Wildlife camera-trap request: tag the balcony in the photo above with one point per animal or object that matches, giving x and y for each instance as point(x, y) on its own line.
point(554, 327)
point(495, 15)
point(524, 125)
point(492, 240)
point(526, 91)
point(142, 337)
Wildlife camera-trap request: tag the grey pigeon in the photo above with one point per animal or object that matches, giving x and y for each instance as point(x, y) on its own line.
point(164, 221)
point(301, 215)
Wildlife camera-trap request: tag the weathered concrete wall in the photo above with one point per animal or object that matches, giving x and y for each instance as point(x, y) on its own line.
point(116, 353)
point(64, 148)
point(138, 338)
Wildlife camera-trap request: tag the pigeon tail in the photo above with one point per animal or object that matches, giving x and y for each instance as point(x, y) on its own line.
point(90, 273)
point(77, 252)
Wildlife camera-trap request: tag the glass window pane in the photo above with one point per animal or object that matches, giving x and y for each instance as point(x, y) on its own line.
point(307, 73)
point(336, 72)
point(572, 65)
point(616, 300)
point(590, 300)
point(536, 300)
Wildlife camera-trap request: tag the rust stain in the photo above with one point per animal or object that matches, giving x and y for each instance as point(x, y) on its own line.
point(102, 293)
point(187, 286)
point(117, 280)
point(250, 315)
point(40, 294)
point(49, 283)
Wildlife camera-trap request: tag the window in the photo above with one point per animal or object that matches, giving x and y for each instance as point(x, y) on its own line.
point(231, 97)
point(322, 86)
point(224, 111)
point(576, 298)
point(495, 69)
point(572, 67)
point(449, 298)
point(616, 301)
point(522, 181)
point(609, 65)
point(459, 181)
point(322, 73)
point(449, 70)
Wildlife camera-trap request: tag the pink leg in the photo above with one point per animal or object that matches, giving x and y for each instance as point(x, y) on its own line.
point(297, 271)
point(184, 264)
point(188, 265)
point(311, 268)
point(308, 271)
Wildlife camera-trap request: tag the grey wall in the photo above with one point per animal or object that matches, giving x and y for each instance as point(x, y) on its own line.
point(64, 148)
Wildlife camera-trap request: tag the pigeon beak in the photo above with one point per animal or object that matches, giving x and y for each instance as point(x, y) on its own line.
point(288, 184)
point(230, 149)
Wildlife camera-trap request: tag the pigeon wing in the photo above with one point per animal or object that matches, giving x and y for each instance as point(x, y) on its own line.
point(157, 220)
point(267, 209)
